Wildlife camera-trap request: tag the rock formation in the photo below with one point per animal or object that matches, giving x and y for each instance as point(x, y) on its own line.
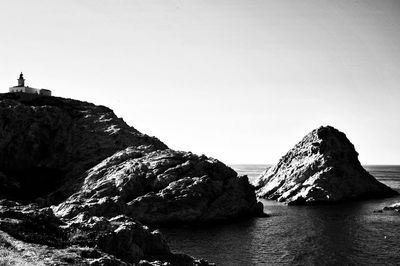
point(37, 235)
point(161, 187)
point(322, 168)
point(53, 148)
point(52, 141)
point(78, 181)
point(393, 207)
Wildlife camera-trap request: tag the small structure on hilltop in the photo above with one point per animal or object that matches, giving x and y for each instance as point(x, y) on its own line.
point(25, 89)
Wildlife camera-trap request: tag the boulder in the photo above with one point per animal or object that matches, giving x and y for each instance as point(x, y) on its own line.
point(163, 187)
point(322, 168)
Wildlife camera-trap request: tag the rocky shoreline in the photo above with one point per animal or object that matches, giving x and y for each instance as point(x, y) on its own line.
point(37, 235)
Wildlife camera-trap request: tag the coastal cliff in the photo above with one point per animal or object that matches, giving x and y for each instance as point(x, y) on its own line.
point(76, 164)
point(47, 143)
point(322, 168)
point(56, 151)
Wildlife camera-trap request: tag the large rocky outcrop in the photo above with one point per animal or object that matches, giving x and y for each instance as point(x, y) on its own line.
point(53, 148)
point(100, 176)
point(322, 168)
point(159, 187)
point(39, 237)
point(47, 143)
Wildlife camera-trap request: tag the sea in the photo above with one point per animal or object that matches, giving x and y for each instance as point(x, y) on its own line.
point(343, 234)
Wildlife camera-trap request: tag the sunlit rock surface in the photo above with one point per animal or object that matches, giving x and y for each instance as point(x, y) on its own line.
point(163, 187)
point(393, 207)
point(322, 168)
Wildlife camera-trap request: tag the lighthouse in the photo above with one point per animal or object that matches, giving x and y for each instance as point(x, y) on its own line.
point(21, 80)
point(25, 89)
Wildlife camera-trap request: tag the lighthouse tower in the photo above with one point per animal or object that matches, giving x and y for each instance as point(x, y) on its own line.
point(21, 80)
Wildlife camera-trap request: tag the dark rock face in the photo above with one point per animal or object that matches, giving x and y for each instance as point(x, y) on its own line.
point(321, 168)
point(52, 141)
point(85, 240)
point(163, 187)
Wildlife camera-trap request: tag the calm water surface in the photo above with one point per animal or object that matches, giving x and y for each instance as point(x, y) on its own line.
point(345, 234)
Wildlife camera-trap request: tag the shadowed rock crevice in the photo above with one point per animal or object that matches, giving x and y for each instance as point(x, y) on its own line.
point(32, 184)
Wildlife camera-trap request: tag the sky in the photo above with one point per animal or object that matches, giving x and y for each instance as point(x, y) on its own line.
point(238, 80)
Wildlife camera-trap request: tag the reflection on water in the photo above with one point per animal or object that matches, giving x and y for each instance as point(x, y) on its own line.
point(344, 234)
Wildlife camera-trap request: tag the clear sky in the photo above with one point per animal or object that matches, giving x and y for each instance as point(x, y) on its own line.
point(238, 80)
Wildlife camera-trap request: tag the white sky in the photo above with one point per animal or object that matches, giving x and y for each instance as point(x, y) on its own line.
point(241, 81)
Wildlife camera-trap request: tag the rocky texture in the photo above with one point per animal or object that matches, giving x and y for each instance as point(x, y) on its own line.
point(393, 207)
point(322, 168)
point(162, 187)
point(53, 148)
point(91, 177)
point(52, 141)
point(37, 235)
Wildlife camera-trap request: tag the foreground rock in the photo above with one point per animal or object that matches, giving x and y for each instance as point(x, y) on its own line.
point(322, 168)
point(39, 237)
point(163, 187)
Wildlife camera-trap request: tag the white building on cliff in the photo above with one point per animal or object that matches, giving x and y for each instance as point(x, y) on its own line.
point(22, 88)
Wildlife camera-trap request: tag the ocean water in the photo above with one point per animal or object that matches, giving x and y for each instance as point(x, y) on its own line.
point(343, 234)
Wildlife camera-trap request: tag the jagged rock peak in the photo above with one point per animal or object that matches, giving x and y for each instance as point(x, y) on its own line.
point(322, 168)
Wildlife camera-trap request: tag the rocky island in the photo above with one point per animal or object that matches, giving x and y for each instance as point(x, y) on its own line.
point(322, 168)
point(77, 183)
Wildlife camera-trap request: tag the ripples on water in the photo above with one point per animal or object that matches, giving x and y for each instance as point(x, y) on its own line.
point(344, 234)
